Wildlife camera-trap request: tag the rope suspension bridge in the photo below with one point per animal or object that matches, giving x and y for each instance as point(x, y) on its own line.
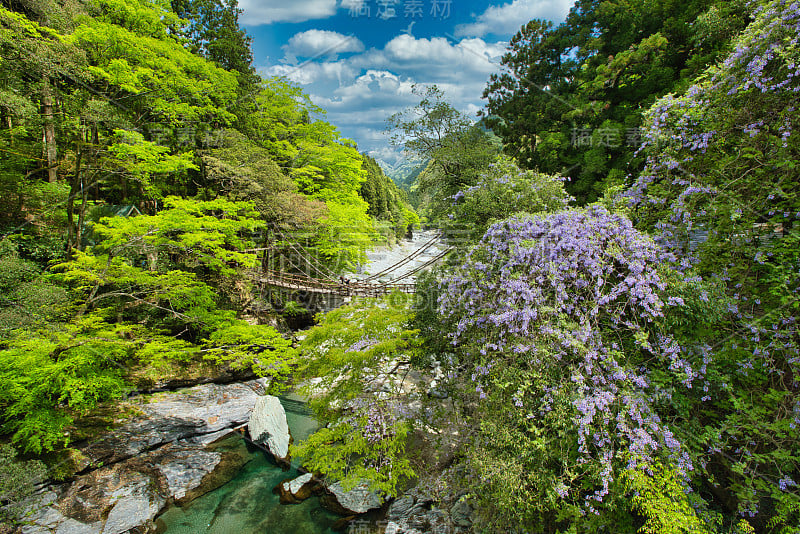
point(325, 282)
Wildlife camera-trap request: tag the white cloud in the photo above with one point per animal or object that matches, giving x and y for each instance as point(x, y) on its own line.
point(385, 154)
point(320, 43)
point(473, 54)
point(507, 19)
point(436, 58)
point(361, 90)
point(257, 12)
point(312, 72)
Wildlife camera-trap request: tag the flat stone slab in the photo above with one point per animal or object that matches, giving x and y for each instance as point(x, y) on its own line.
point(189, 413)
point(147, 462)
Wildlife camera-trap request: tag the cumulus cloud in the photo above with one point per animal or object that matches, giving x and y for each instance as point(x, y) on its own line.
point(386, 154)
point(474, 55)
point(320, 43)
point(312, 72)
point(361, 90)
point(507, 19)
point(435, 60)
point(257, 12)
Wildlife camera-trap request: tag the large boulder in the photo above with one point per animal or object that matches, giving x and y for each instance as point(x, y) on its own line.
point(358, 500)
point(267, 426)
point(461, 514)
point(159, 456)
point(133, 505)
point(184, 466)
point(128, 494)
point(111, 500)
point(166, 417)
point(416, 512)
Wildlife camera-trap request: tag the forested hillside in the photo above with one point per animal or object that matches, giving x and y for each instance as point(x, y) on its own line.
point(387, 202)
point(570, 97)
point(146, 169)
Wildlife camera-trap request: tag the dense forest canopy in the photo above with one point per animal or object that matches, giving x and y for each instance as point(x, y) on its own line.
point(570, 97)
point(613, 334)
point(146, 168)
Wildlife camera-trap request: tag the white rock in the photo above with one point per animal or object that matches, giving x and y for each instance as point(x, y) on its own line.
point(293, 486)
point(185, 472)
point(207, 439)
point(71, 526)
point(268, 425)
point(136, 505)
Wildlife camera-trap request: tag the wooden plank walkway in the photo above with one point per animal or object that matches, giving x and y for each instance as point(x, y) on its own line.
point(354, 288)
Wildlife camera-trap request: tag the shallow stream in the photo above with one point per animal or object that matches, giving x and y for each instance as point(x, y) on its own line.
point(246, 504)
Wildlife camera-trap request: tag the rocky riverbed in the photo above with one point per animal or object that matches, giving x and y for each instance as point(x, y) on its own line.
point(173, 455)
point(170, 467)
point(157, 457)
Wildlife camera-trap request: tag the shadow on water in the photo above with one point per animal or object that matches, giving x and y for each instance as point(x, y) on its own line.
point(246, 504)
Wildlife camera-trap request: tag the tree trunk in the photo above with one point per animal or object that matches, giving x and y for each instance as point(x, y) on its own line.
point(95, 152)
point(74, 230)
point(84, 198)
point(51, 152)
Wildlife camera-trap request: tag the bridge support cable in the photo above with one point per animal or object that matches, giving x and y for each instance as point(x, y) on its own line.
point(405, 260)
point(422, 267)
point(303, 283)
point(355, 288)
point(304, 254)
point(360, 288)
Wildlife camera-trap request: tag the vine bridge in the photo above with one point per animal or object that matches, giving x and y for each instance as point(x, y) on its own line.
point(325, 282)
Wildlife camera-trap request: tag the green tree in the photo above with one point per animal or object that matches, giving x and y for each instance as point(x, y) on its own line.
point(504, 189)
point(28, 298)
point(456, 149)
point(368, 436)
point(154, 290)
point(18, 479)
point(570, 97)
point(213, 31)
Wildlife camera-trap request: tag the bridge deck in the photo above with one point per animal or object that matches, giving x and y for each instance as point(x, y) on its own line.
point(302, 283)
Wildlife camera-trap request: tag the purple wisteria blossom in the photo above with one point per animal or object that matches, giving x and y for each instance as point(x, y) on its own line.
point(558, 292)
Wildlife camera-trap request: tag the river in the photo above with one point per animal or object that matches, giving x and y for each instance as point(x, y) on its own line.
point(246, 504)
point(383, 258)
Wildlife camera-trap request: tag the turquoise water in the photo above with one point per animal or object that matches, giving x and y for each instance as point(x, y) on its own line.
point(246, 503)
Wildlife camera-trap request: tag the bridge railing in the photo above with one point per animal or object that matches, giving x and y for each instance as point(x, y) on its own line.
point(354, 287)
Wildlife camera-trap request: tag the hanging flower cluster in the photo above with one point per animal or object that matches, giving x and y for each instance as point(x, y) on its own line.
point(720, 192)
point(574, 297)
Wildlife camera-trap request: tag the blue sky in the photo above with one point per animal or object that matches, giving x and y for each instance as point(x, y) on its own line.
point(358, 59)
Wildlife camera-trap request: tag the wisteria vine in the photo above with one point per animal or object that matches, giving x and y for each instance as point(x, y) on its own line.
point(576, 296)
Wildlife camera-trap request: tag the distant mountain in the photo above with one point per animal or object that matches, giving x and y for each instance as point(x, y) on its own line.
point(404, 172)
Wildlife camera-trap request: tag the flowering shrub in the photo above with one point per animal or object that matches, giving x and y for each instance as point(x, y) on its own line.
point(369, 444)
point(720, 191)
point(352, 350)
point(558, 326)
point(721, 157)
